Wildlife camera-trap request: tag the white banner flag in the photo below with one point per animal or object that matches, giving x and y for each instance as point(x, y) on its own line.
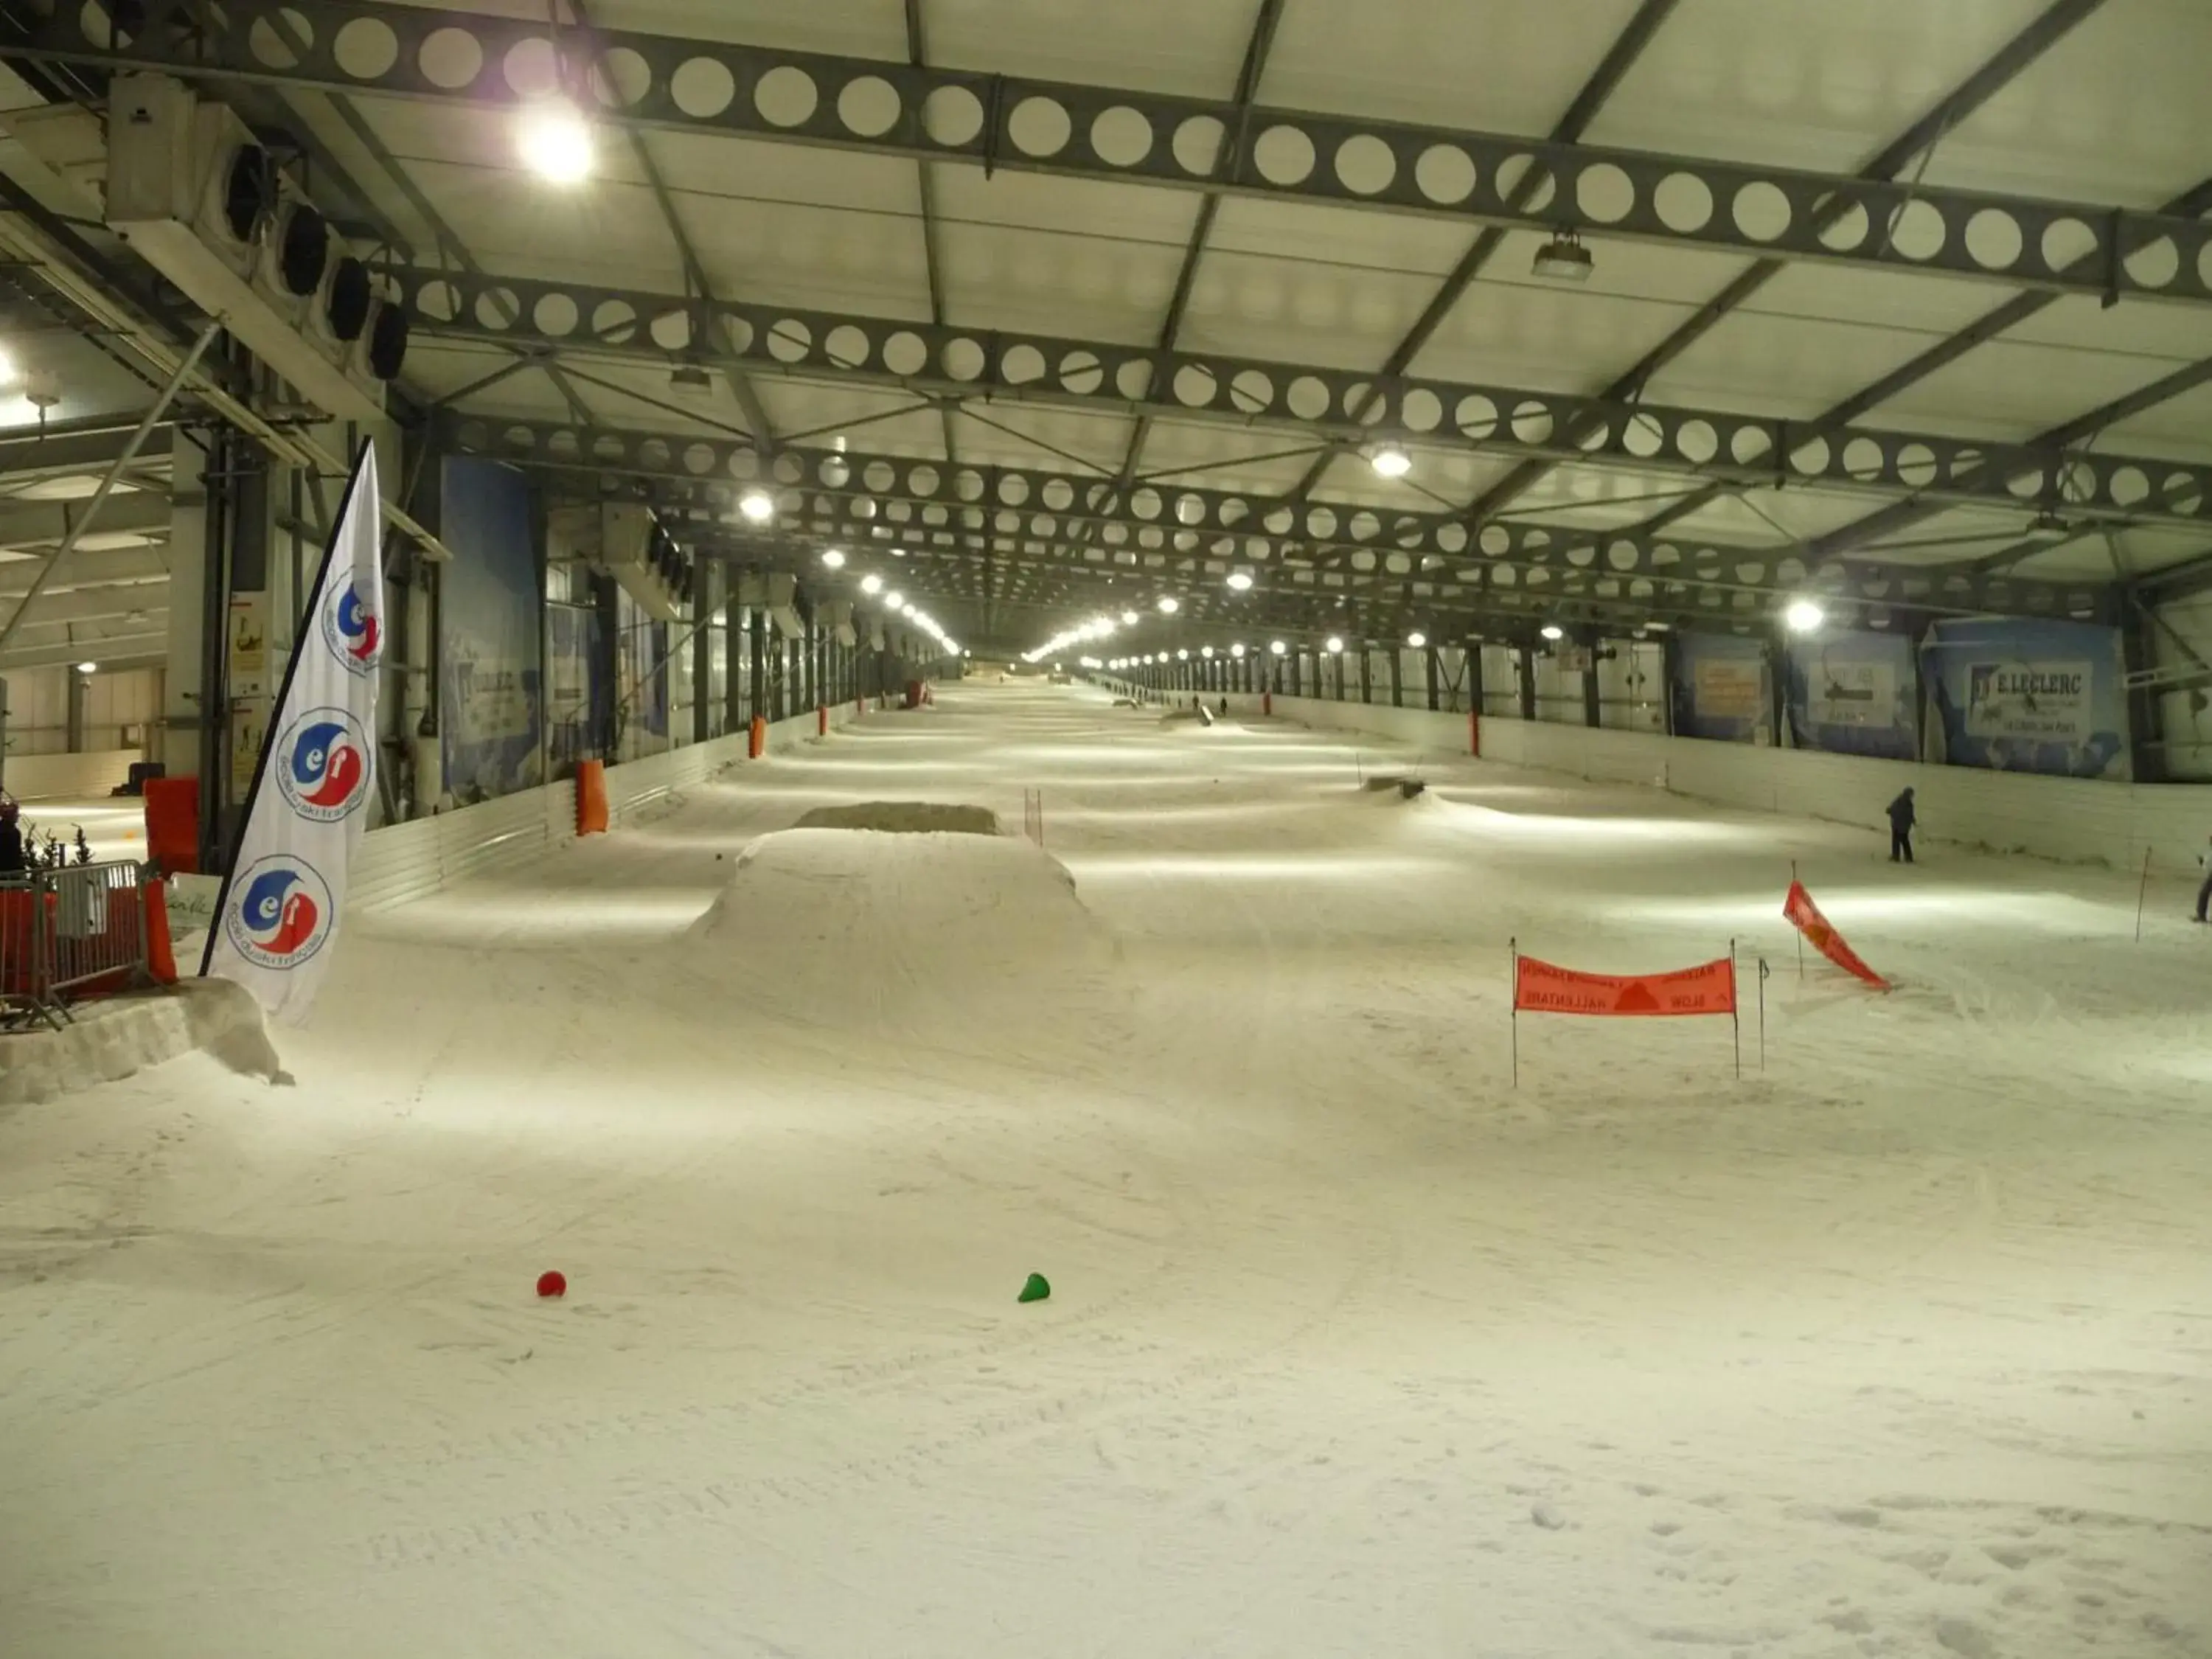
point(309, 803)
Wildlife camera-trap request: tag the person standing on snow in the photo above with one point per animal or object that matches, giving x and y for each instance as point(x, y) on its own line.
point(1901, 821)
point(2204, 891)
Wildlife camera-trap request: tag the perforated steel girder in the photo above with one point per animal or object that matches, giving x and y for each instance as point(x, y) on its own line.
point(884, 500)
point(1119, 133)
point(1338, 404)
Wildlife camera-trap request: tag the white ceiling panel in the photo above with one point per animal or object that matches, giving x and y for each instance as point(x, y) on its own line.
point(1804, 83)
point(772, 253)
point(1063, 283)
point(1352, 240)
point(613, 234)
point(1037, 435)
point(1499, 65)
point(2026, 389)
point(817, 416)
point(725, 168)
point(1333, 317)
point(2178, 429)
point(2110, 115)
point(2142, 328)
point(862, 29)
point(1190, 47)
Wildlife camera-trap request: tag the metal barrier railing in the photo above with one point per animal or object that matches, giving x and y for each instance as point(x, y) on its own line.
point(69, 932)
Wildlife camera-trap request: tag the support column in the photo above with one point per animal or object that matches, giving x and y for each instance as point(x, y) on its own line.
point(703, 650)
point(1397, 676)
point(756, 705)
point(1366, 672)
point(1528, 667)
point(1428, 666)
point(1593, 710)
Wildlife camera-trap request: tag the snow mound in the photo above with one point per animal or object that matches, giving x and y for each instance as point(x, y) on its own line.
point(903, 926)
point(905, 818)
point(120, 1037)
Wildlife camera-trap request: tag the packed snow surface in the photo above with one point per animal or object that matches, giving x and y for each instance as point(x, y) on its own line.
point(1902, 1346)
point(904, 818)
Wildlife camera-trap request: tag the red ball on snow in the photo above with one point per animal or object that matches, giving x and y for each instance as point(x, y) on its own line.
point(552, 1285)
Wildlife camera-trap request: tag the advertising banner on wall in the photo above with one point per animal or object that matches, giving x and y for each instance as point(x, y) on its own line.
point(2018, 695)
point(570, 704)
point(1719, 691)
point(1854, 693)
point(489, 603)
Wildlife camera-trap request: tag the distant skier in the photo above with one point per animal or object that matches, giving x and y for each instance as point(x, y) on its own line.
point(1902, 819)
point(1224, 705)
point(11, 840)
point(2204, 892)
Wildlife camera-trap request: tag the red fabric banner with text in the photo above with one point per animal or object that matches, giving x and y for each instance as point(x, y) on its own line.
point(1805, 916)
point(1539, 988)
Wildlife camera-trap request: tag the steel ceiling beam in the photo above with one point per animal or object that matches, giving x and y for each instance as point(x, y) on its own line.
point(1621, 56)
point(1258, 44)
point(2086, 264)
point(933, 257)
point(882, 501)
point(930, 360)
point(374, 46)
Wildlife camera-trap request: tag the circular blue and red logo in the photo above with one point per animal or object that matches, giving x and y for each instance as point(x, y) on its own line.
point(280, 911)
point(354, 627)
point(323, 762)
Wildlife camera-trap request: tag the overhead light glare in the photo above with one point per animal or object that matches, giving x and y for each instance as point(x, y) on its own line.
point(1169, 605)
point(1553, 631)
point(1240, 579)
point(758, 505)
point(555, 144)
point(833, 557)
point(1804, 616)
point(1391, 462)
point(1417, 639)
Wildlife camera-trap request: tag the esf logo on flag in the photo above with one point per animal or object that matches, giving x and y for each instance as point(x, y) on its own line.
point(322, 763)
point(280, 911)
point(353, 629)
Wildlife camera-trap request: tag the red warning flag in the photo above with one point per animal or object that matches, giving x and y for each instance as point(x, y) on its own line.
point(1539, 988)
point(1805, 916)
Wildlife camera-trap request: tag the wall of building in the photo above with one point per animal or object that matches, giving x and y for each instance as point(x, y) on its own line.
point(120, 710)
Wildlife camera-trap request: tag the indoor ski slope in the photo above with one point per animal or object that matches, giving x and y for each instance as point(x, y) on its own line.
point(1903, 1347)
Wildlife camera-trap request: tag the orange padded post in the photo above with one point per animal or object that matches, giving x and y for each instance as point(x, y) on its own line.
point(591, 798)
point(1475, 732)
point(821, 722)
point(173, 825)
point(756, 743)
point(161, 950)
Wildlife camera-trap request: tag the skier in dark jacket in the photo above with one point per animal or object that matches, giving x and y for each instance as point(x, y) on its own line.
point(2204, 892)
point(11, 840)
point(1901, 820)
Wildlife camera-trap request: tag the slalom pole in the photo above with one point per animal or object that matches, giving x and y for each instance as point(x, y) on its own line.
point(1762, 1013)
point(1795, 928)
point(2142, 893)
point(1736, 1019)
point(1513, 997)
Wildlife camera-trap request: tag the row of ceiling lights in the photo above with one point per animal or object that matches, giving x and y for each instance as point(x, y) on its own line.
point(872, 587)
point(1801, 616)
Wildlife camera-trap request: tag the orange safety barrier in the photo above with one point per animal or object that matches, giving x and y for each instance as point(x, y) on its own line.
point(1805, 916)
point(591, 798)
point(161, 951)
point(1541, 988)
point(173, 825)
point(757, 738)
point(1709, 988)
point(821, 722)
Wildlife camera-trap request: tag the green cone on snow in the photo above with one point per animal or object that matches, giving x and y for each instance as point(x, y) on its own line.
point(1036, 1291)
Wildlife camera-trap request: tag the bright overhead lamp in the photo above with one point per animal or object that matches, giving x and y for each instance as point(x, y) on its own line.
point(1169, 605)
point(1206, 651)
point(555, 144)
point(758, 505)
point(1183, 656)
point(1391, 462)
point(871, 584)
point(1277, 648)
point(893, 600)
point(1417, 639)
point(1553, 631)
point(1804, 616)
point(1334, 646)
point(1236, 650)
point(1240, 579)
point(833, 557)
point(1565, 260)
point(1129, 619)
point(88, 668)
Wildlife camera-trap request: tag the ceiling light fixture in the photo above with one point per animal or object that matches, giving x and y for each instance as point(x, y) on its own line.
point(1391, 462)
point(892, 600)
point(758, 505)
point(555, 144)
point(833, 557)
point(1169, 605)
point(1565, 260)
point(1334, 646)
point(88, 668)
point(1240, 579)
point(1553, 631)
point(1128, 619)
point(1805, 616)
point(1236, 650)
point(871, 584)
point(1417, 639)
point(1277, 648)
